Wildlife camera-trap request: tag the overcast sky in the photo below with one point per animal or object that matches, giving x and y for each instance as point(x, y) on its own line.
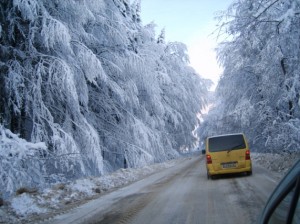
point(190, 22)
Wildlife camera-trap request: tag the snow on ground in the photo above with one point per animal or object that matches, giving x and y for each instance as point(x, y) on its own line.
point(279, 163)
point(25, 207)
point(32, 205)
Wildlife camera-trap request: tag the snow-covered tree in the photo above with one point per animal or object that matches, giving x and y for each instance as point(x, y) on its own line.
point(259, 90)
point(92, 83)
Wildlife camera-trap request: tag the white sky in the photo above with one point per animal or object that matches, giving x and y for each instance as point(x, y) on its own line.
point(190, 22)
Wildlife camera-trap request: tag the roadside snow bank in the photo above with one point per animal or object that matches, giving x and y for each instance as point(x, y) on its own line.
point(20, 163)
point(279, 163)
point(25, 204)
point(63, 196)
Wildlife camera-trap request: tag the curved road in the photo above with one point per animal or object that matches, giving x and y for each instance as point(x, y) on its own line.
point(180, 194)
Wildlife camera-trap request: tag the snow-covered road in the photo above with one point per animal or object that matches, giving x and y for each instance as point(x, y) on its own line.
point(180, 194)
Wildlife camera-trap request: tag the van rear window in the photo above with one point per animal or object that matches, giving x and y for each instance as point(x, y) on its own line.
point(228, 142)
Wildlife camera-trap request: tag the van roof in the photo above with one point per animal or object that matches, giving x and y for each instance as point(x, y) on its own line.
point(226, 135)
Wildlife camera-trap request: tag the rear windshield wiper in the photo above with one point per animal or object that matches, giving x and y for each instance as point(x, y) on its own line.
point(235, 147)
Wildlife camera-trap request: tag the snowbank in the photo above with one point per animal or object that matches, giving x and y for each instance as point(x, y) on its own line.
point(63, 196)
point(279, 163)
point(20, 162)
point(25, 204)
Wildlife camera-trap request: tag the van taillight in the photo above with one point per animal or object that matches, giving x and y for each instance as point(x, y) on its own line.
point(208, 159)
point(247, 154)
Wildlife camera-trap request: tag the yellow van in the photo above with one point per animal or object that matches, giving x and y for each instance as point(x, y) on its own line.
point(227, 154)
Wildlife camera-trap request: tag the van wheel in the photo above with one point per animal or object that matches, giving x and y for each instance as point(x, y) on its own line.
point(249, 173)
point(208, 175)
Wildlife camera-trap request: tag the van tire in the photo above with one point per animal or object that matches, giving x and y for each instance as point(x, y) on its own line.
point(249, 173)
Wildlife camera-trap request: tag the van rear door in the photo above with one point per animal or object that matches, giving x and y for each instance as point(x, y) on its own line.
point(227, 151)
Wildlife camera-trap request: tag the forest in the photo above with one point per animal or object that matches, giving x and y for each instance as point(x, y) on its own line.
point(87, 89)
point(259, 90)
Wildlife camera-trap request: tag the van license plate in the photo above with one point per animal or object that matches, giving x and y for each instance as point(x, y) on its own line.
point(228, 165)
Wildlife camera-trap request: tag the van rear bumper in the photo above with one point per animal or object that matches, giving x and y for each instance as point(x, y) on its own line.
point(228, 171)
point(211, 170)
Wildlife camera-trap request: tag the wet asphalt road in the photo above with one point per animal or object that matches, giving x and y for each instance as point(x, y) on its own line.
point(181, 194)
